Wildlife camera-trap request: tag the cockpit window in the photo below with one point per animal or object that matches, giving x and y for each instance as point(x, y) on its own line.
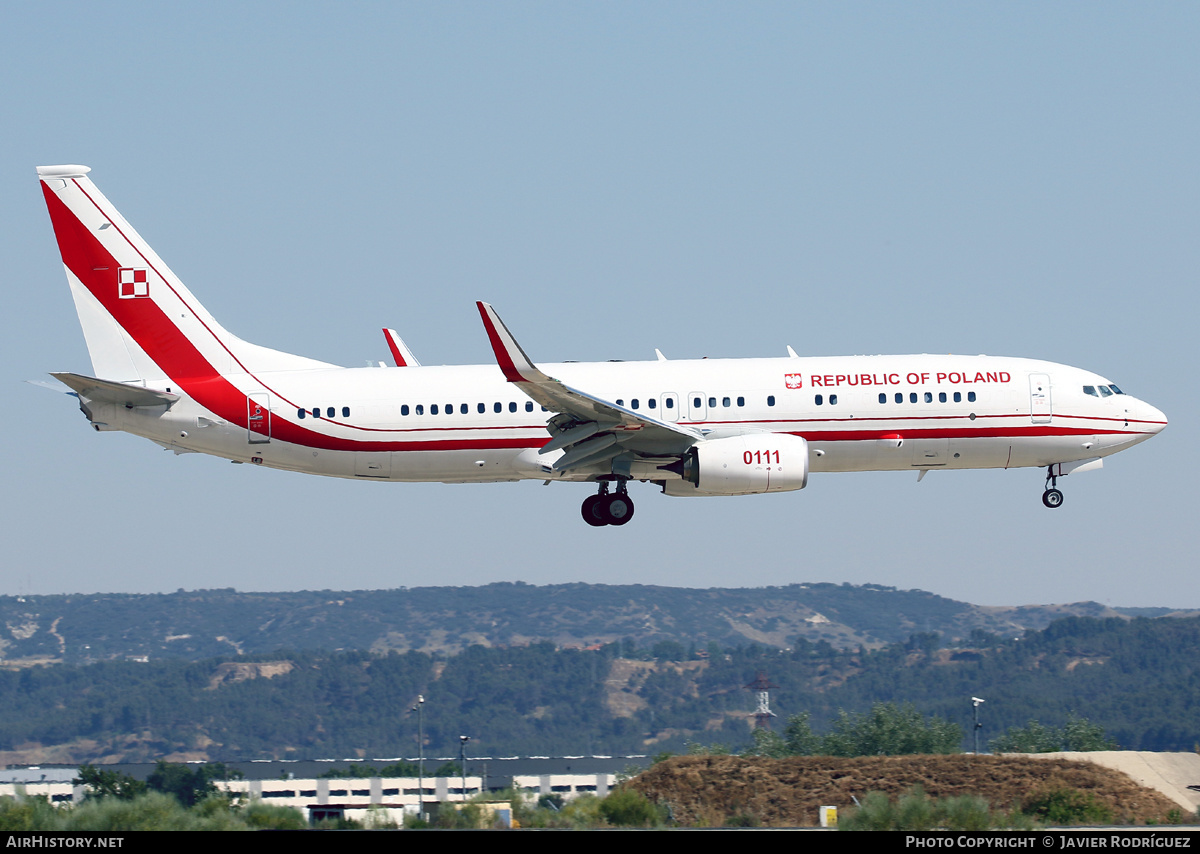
point(1116, 390)
point(1090, 389)
point(1105, 391)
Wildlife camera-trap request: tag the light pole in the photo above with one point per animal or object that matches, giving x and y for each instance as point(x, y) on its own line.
point(976, 702)
point(462, 761)
point(420, 757)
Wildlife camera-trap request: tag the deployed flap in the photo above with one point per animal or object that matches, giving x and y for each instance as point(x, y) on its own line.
point(108, 391)
point(586, 415)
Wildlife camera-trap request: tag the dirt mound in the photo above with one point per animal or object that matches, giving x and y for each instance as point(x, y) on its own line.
point(708, 790)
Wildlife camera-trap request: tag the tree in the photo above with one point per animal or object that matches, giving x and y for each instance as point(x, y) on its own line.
point(891, 730)
point(189, 786)
point(769, 744)
point(799, 737)
point(1078, 734)
point(108, 784)
point(1031, 738)
point(1082, 735)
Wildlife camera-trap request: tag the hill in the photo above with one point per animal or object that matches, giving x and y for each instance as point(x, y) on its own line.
point(1127, 676)
point(202, 624)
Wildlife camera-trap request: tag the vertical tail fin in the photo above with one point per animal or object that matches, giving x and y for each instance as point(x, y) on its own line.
point(140, 322)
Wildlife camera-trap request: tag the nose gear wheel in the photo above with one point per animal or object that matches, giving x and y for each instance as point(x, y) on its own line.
point(1053, 496)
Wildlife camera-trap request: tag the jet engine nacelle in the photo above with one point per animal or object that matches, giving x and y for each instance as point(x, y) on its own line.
point(743, 465)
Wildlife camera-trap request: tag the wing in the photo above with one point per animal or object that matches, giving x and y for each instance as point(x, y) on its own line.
point(589, 429)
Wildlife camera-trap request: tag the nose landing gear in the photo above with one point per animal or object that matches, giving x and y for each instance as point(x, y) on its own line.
point(605, 508)
point(1052, 497)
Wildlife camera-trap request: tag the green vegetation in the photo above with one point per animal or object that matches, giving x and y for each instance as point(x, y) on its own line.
point(102, 783)
point(1066, 806)
point(1078, 734)
point(188, 785)
point(146, 811)
point(538, 699)
point(917, 811)
point(887, 729)
point(200, 623)
point(630, 808)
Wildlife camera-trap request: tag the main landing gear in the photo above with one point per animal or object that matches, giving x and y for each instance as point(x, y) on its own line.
point(1052, 497)
point(608, 508)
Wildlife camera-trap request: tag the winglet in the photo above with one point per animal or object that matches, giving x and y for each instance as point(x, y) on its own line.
point(400, 352)
point(516, 366)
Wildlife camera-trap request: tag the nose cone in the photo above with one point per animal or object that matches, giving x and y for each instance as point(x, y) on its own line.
point(1152, 420)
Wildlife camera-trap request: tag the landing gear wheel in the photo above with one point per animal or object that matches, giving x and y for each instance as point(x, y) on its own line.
point(591, 511)
point(1052, 498)
point(617, 509)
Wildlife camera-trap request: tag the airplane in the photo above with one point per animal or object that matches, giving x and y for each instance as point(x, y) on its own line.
point(165, 369)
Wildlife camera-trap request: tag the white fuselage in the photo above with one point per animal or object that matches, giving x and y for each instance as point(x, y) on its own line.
point(467, 424)
point(164, 368)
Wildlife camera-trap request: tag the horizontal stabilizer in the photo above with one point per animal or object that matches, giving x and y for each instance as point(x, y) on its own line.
point(108, 391)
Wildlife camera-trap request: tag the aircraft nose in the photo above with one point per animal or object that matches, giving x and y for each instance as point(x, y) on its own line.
point(1152, 418)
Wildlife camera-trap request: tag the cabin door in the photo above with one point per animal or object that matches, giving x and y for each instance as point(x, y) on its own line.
point(1039, 398)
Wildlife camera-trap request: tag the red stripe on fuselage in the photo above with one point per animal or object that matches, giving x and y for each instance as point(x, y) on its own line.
point(144, 321)
point(179, 358)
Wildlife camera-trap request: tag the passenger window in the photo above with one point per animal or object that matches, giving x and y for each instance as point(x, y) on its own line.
point(420, 409)
point(741, 401)
point(433, 409)
point(725, 401)
point(941, 397)
point(696, 403)
point(482, 408)
point(345, 411)
point(970, 397)
point(498, 406)
point(771, 399)
point(620, 401)
point(819, 399)
point(899, 397)
point(712, 403)
point(670, 403)
point(512, 406)
point(301, 413)
point(929, 397)
point(464, 409)
point(833, 400)
point(529, 406)
point(404, 409)
point(651, 403)
point(912, 397)
point(634, 404)
point(329, 412)
point(958, 397)
point(882, 397)
point(316, 413)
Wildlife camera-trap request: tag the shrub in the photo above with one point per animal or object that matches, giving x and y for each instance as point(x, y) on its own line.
point(630, 808)
point(1066, 806)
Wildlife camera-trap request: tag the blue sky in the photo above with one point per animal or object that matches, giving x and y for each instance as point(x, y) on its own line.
point(708, 179)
